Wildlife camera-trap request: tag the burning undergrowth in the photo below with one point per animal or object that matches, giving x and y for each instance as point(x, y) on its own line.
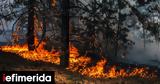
point(81, 64)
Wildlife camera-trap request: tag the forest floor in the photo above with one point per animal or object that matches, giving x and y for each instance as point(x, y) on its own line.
point(13, 62)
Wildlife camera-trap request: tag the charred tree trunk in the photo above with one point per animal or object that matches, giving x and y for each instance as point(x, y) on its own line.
point(116, 43)
point(30, 33)
point(144, 40)
point(65, 33)
point(118, 31)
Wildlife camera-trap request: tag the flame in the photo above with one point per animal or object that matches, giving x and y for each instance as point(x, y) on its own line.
point(77, 63)
point(95, 71)
point(53, 3)
point(39, 54)
point(80, 64)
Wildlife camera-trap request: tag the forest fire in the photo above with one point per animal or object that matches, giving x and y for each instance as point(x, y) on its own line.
point(39, 54)
point(77, 63)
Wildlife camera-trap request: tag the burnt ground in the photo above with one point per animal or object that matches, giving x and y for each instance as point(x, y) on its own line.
point(13, 62)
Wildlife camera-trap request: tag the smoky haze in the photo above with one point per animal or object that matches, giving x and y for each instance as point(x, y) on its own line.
point(150, 54)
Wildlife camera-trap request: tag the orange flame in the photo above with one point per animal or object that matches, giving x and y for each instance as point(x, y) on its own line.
point(80, 64)
point(40, 54)
point(77, 63)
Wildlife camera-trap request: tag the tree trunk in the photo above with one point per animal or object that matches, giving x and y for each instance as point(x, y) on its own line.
point(65, 33)
point(118, 31)
point(30, 33)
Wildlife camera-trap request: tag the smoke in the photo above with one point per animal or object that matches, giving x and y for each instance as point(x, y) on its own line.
point(149, 55)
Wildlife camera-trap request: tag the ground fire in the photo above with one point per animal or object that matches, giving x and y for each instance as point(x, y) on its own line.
point(77, 63)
